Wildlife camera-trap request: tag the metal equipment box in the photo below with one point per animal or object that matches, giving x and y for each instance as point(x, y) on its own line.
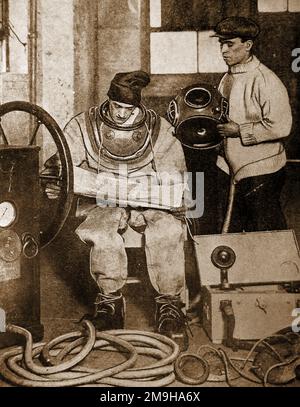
point(19, 270)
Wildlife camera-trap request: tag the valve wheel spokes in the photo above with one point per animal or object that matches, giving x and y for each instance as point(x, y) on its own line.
point(66, 173)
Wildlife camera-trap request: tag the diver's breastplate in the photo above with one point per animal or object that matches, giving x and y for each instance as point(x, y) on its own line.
point(128, 145)
point(123, 145)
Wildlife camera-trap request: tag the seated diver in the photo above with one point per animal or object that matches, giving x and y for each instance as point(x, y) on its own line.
point(118, 141)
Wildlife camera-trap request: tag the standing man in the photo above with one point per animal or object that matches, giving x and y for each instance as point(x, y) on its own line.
point(115, 146)
point(259, 119)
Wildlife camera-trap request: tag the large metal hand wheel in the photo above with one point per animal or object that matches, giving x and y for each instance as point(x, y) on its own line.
point(65, 176)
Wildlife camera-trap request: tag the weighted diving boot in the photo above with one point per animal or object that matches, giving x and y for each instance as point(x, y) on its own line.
point(170, 319)
point(109, 311)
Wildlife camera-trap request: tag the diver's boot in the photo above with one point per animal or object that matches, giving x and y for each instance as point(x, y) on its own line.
point(170, 320)
point(109, 311)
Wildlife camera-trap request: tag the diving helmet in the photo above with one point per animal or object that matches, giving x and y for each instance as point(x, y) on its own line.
point(131, 144)
point(195, 113)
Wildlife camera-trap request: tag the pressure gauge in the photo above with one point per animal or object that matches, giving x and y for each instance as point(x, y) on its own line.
point(8, 214)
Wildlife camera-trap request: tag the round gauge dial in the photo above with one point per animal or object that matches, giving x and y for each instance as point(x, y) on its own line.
point(8, 214)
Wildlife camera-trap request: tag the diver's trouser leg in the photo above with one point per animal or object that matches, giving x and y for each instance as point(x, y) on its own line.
point(108, 260)
point(164, 246)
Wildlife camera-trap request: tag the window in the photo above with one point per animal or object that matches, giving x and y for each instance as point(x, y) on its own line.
point(294, 5)
point(180, 41)
point(276, 6)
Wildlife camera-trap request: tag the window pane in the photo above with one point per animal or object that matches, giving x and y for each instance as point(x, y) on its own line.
point(155, 13)
point(272, 6)
point(294, 5)
point(183, 15)
point(177, 15)
point(209, 53)
point(173, 52)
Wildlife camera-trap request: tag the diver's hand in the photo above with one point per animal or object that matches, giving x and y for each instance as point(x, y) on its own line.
point(180, 212)
point(52, 190)
point(230, 129)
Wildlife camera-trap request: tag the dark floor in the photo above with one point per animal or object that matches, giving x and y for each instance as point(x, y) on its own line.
point(61, 309)
point(59, 317)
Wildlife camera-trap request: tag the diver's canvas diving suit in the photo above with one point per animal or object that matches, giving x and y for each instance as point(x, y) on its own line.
point(141, 149)
point(163, 232)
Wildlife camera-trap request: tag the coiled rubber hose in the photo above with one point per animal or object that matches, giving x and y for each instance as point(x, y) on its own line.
point(19, 365)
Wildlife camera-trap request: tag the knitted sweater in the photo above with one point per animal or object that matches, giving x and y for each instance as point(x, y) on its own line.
point(259, 104)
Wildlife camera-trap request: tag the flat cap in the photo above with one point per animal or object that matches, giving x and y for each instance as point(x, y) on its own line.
point(126, 87)
point(233, 27)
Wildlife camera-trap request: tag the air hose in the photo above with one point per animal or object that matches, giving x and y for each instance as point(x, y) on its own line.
point(23, 367)
point(229, 210)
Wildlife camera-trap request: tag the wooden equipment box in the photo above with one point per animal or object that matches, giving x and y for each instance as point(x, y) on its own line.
point(259, 311)
point(266, 262)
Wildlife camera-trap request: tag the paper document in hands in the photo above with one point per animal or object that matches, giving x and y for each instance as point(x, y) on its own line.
point(156, 190)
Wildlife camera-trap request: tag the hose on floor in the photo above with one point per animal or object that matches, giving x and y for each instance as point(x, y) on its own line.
point(61, 358)
point(286, 368)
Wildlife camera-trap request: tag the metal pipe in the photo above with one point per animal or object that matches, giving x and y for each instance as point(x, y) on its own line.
point(32, 57)
point(5, 20)
point(2, 320)
point(32, 50)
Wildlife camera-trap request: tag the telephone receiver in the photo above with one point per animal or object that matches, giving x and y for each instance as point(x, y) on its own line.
point(21, 234)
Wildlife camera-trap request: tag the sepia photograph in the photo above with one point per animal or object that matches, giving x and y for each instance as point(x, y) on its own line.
point(150, 196)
